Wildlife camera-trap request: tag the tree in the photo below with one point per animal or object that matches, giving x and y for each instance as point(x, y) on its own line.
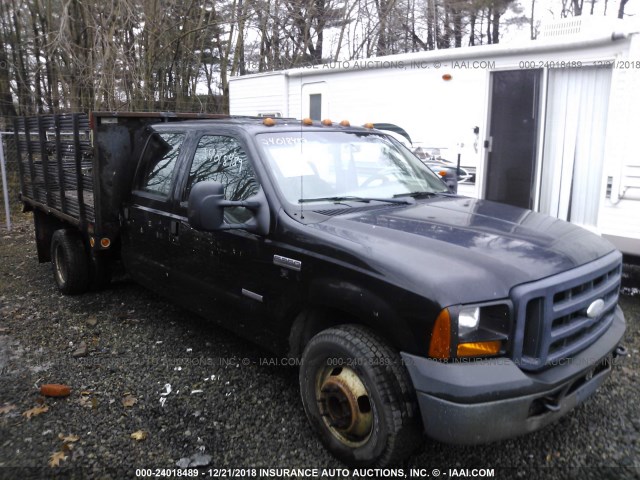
point(623, 4)
point(74, 55)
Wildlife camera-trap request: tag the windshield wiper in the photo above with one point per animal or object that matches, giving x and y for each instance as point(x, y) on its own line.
point(350, 198)
point(418, 194)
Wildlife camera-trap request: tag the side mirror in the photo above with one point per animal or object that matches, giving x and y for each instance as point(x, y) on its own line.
point(206, 209)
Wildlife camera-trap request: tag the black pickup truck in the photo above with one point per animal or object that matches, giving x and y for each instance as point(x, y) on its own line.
point(411, 309)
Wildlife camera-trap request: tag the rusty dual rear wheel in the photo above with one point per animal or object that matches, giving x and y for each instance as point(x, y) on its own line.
point(75, 269)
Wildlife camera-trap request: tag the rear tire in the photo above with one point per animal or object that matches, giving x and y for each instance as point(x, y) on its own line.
point(359, 398)
point(70, 262)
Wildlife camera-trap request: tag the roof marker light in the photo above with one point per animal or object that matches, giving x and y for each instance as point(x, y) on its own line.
point(368, 125)
point(345, 123)
point(307, 121)
point(269, 122)
point(327, 122)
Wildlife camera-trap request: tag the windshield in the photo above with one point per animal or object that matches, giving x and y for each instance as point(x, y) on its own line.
point(343, 166)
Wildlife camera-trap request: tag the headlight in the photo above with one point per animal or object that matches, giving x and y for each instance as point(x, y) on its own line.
point(471, 331)
point(468, 320)
point(483, 330)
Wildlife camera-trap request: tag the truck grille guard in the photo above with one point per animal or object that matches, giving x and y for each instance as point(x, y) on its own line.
point(552, 323)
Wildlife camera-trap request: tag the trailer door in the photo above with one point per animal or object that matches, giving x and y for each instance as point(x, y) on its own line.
point(511, 146)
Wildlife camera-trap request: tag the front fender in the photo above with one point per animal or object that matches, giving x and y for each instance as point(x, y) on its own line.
point(370, 308)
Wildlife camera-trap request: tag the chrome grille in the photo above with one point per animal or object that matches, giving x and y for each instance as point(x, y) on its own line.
point(551, 319)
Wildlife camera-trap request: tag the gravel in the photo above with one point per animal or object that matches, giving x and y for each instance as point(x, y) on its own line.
point(196, 395)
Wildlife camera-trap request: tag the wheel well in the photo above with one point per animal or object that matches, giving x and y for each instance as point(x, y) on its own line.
point(46, 225)
point(311, 321)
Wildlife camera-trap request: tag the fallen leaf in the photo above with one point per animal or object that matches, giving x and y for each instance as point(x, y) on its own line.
point(6, 409)
point(35, 411)
point(129, 401)
point(56, 458)
point(55, 390)
point(67, 447)
point(86, 392)
point(139, 435)
point(68, 438)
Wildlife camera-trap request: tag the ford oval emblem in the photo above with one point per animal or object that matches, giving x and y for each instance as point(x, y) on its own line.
point(596, 308)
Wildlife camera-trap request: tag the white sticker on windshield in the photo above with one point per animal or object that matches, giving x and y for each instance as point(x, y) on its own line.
point(293, 166)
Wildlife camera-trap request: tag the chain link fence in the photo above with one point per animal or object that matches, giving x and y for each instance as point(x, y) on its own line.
point(10, 184)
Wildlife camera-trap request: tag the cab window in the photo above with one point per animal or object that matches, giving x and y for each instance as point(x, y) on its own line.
point(222, 159)
point(159, 163)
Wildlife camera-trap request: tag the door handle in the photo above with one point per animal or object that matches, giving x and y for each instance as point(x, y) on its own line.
point(174, 228)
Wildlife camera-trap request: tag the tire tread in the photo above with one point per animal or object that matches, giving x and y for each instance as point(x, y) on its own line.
point(391, 379)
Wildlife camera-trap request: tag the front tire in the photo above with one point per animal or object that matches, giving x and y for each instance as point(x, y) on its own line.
point(70, 262)
point(359, 398)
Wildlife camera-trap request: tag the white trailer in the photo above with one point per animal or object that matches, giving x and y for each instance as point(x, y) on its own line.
point(552, 125)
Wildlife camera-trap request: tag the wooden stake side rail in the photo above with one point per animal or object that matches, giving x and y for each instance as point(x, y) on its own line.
point(55, 160)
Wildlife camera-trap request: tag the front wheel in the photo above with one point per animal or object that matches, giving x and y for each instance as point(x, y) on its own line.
point(359, 398)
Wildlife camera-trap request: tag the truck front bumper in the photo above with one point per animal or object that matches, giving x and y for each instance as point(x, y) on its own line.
point(481, 401)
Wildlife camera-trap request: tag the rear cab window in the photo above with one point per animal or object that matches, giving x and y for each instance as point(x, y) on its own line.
point(159, 163)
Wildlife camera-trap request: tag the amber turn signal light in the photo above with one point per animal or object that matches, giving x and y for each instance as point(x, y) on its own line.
point(441, 336)
point(478, 349)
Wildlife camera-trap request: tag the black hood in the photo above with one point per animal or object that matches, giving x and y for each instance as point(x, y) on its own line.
point(461, 249)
